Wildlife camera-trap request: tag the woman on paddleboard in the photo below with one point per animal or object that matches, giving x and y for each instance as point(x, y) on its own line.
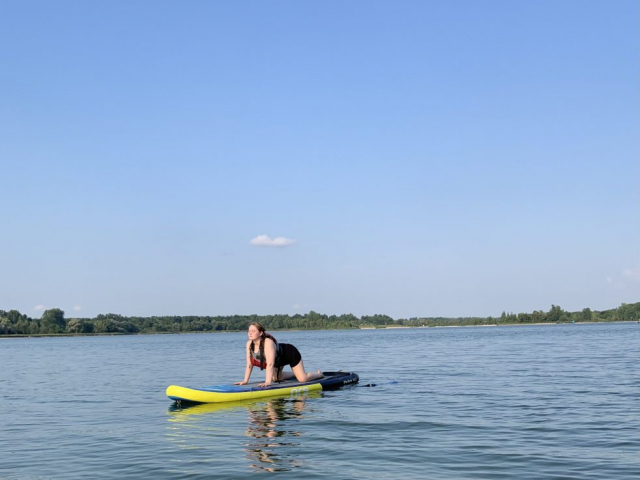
point(265, 352)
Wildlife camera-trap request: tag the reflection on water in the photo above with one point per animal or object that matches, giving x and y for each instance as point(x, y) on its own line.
point(269, 428)
point(270, 425)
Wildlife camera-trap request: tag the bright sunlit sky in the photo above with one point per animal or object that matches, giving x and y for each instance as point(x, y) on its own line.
point(413, 158)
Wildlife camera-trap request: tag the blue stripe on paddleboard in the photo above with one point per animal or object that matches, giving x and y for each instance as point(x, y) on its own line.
point(330, 381)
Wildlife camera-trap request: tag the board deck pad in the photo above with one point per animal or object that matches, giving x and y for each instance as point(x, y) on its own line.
point(231, 393)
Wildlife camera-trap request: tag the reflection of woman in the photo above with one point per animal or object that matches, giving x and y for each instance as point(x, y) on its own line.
point(265, 352)
point(268, 432)
point(263, 423)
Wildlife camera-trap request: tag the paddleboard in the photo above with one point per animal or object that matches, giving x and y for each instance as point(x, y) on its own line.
point(251, 391)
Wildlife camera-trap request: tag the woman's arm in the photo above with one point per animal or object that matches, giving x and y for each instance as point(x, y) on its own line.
point(270, 356)
point(247, 372)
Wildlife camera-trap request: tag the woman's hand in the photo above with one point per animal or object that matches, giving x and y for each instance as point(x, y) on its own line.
point(265, 384)
point(241, 383)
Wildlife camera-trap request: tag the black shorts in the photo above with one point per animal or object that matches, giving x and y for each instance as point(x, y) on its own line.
point(289, 355)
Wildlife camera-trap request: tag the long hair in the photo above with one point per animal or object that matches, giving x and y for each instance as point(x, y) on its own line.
point(263, 334)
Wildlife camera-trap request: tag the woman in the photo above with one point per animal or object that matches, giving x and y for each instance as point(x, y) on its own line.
point(265, 352)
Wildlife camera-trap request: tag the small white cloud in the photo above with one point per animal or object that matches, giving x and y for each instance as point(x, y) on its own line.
point(615, 283)
point(632, 273)
point(77, 308)
point(39, 307)
point(267, 241)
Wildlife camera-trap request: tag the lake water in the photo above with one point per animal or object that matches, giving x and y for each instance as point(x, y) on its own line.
point(529, 402)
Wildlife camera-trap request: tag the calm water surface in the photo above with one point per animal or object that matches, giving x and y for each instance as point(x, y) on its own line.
point(538, 402)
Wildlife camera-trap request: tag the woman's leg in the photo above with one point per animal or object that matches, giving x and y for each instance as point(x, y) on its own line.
point(303, 376)
point(285, 375)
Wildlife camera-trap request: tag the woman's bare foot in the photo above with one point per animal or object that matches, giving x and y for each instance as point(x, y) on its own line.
point(314, 376)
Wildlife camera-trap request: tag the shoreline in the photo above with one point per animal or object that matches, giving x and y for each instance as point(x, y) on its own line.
point(392, 327)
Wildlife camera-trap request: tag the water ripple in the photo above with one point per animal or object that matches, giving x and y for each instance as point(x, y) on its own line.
point(537, 402)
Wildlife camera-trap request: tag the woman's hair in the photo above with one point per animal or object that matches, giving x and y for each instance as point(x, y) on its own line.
point(263, 333)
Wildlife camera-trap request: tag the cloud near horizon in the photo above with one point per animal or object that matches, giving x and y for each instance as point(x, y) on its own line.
point(267, 241)
point(39, 307)
point(632, 273)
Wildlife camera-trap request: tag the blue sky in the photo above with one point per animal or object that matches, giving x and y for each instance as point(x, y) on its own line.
point(415, 158)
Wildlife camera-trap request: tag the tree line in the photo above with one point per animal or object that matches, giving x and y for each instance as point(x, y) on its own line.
point(53, 321)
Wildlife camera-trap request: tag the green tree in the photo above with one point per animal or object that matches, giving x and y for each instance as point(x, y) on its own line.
point(105, 325)
point(538, 316)
point(53, 321)
point(628, 312)
point(377, 319)
point(586, 315)
point(525, 318)
point(15, 316)
point(79, 325)
point(6, 327)
point(23, 326)
point(555, 315)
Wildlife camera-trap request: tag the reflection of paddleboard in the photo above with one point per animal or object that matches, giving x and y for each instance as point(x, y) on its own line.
point(180, 410)
point(232, 393)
